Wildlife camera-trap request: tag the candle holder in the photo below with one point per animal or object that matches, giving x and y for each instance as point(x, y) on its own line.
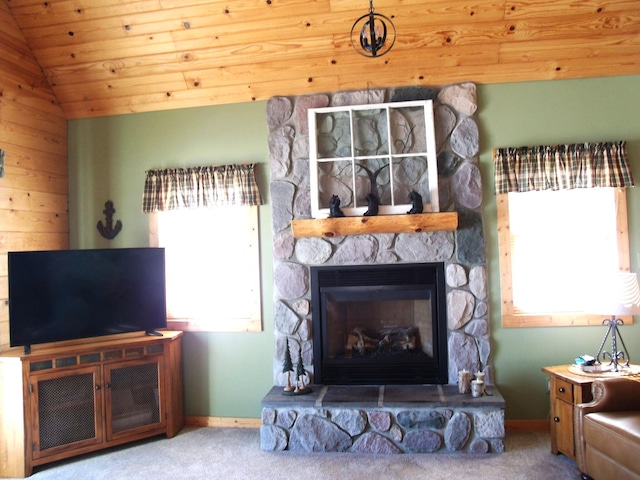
point(614, 355)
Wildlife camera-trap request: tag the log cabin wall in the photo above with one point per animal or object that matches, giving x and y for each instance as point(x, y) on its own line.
point(33, 133)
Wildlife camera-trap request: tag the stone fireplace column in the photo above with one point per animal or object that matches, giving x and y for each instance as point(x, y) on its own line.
point(462, 251)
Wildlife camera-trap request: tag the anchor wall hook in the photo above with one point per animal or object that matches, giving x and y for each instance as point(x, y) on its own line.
point(109, 231)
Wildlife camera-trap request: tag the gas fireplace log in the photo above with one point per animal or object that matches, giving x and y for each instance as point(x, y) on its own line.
point(391, 339)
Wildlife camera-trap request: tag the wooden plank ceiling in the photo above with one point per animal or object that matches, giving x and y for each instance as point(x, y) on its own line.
point(109, 57)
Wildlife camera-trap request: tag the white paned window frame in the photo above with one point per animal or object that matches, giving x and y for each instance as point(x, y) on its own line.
point(396, 125)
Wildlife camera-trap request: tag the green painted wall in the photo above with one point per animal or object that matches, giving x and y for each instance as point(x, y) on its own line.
point(551, 113)
point(227, 374)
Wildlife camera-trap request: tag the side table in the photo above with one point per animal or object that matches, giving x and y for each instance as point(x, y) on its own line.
point(567, 389)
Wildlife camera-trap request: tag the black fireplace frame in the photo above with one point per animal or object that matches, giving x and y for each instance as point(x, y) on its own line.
point(406, 371)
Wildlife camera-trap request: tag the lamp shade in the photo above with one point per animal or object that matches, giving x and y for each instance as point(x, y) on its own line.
point(618, 294)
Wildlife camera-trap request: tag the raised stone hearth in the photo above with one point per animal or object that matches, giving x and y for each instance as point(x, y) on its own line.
point(386, 419)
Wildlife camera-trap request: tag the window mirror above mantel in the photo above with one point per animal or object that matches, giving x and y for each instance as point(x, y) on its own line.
point(387, 149)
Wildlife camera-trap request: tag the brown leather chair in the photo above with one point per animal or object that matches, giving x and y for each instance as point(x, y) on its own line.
point(608, 430)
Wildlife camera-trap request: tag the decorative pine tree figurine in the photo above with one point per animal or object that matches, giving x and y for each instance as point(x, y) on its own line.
point(287, 367)
point(301, 388)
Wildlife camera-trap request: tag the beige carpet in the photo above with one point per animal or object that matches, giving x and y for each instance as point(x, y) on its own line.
point(226, 453)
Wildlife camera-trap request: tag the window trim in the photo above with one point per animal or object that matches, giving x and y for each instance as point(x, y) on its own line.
point(251, 324)
point(512, 320)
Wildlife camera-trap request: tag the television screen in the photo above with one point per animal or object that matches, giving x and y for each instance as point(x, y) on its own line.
point(71, 294)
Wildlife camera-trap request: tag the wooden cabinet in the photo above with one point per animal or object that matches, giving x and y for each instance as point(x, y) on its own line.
point(65, 400)
point(566, 390)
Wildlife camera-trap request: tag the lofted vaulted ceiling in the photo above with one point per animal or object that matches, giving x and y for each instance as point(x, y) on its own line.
point(108, 57)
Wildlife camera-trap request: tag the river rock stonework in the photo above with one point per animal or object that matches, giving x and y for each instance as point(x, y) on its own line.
point(462, 251)
point(434, 419)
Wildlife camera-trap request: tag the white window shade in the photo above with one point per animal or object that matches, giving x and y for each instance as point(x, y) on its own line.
point(561, 243)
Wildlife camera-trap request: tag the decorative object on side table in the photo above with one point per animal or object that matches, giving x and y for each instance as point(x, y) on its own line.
point(620, 296)
point(109, 231)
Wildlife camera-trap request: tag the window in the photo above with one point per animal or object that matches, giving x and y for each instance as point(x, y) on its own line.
point(206, 218)
point(212, 267)
point(385, 149)
point(554, 245)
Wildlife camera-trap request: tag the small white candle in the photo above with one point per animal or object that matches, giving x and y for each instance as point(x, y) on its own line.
point(477, 388)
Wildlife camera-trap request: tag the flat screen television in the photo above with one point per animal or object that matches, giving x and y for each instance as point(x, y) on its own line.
point(72, 294)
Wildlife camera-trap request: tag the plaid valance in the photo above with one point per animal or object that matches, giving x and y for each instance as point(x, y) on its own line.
point(561, 167)
point(211, 186)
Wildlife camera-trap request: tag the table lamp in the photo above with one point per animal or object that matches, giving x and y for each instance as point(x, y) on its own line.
point(620, 295)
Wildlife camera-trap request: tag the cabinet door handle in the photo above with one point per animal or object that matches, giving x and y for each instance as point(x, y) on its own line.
point(108, 385)
point(561, 389)
point(97, 387)
point(556, 419)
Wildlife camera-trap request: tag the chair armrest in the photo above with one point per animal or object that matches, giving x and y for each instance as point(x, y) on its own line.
point(613, 393)
point(609, 394)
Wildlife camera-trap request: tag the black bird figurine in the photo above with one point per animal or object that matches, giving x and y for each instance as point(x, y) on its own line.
point(334, 207)
point(416, 202)
point(373, 202)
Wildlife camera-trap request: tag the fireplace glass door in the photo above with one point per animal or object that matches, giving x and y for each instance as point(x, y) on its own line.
point(362, 322)
point(379, 334)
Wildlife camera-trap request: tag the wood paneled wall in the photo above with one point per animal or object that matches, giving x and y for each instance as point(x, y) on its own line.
point(33, 133)
point(109, 57)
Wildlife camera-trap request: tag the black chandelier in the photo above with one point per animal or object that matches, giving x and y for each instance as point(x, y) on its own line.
point(373, 34)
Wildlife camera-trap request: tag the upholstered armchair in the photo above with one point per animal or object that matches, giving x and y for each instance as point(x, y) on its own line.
point(608, 430)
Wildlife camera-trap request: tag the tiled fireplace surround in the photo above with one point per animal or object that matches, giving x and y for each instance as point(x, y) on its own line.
point(392, 418)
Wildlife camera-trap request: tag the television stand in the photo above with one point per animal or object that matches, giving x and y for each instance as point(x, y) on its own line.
point(71, 398)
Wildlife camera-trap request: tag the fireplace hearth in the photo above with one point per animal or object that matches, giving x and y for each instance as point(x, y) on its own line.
point(379, 324)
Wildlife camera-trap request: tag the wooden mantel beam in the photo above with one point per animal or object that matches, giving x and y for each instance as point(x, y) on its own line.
point(340, 226)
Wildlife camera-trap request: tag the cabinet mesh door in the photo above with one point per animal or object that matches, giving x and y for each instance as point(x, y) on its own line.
point(134, 397)
point(66, 410)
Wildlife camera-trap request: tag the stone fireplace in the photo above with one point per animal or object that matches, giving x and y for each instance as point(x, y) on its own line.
point(462, 252)
point(378, 416)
